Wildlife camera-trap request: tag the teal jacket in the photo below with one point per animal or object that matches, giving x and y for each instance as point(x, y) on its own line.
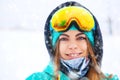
point(48, 74)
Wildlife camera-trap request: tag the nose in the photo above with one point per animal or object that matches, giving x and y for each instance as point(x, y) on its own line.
point(72, 46)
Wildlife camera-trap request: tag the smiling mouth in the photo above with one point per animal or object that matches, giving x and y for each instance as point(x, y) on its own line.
point(74, 55)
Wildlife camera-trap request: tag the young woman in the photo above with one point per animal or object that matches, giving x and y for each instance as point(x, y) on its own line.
point(74, 42)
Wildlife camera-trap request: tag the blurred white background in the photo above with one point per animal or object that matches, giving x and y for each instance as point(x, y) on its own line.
point(22, 48)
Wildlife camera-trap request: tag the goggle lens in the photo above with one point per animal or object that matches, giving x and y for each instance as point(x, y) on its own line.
point(63, 17)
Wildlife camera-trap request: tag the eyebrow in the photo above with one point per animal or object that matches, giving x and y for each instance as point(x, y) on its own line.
point(75, 35)
point(79, 34)
point(65, 35)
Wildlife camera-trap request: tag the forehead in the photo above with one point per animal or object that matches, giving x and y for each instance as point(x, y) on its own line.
point(73, 33)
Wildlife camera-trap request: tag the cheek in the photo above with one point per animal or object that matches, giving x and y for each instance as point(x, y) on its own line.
point(62, 49)
point(83, 45)
point(84, 48)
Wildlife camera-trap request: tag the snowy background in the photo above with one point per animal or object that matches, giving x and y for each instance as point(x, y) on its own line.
point(22, 48)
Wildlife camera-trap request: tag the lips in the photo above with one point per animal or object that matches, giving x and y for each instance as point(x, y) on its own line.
point(74, 55)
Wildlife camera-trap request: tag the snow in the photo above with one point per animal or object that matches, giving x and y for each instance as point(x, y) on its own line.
point(111, 56)
point(24, 52)
point(22, 47)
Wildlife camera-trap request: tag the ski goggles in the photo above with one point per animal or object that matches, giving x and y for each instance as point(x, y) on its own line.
point(61, 20)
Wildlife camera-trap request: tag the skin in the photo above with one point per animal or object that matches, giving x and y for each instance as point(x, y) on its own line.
point(73, 45)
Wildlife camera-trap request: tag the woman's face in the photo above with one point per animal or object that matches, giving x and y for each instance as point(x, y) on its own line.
point(73, 45)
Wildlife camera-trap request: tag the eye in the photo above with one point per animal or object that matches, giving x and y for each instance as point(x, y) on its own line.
point(63, 39)
point(81, 38)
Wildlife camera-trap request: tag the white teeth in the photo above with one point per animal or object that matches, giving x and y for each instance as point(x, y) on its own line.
point(74, 55)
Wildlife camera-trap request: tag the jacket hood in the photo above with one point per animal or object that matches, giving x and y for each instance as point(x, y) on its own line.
point(98, 42)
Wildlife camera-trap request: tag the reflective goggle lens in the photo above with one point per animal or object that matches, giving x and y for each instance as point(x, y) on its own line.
point(63, 17)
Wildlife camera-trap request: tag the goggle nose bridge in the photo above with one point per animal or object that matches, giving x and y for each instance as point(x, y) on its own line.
point(75, 23)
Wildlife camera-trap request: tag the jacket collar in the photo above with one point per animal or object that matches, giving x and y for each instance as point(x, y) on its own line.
point(50, 71)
